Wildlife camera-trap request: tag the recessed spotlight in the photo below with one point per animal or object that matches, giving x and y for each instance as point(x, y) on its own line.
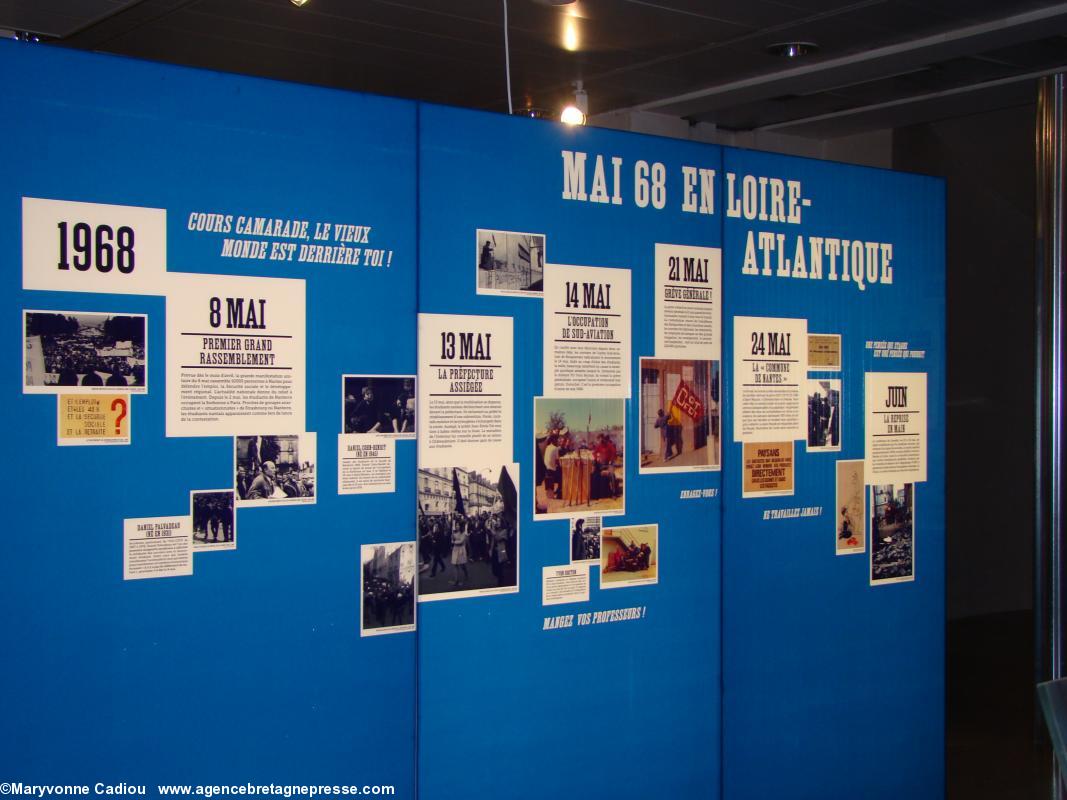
point(299, 3)
point(792, 49)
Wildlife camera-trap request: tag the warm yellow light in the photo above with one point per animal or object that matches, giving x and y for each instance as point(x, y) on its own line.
point(571, 40)
point(572, 115)
point(299, 3)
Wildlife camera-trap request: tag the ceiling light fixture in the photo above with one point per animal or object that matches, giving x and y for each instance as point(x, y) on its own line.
point(792, 49)
point(299, 3)
point(575, 113)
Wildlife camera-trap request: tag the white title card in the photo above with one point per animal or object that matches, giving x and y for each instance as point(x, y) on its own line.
point(235, 355)
point(770, 379)
point(157, 547)
point(586, 331)
point(466, 389)
point(93, 247)
point(688, 302)
point(895, 423)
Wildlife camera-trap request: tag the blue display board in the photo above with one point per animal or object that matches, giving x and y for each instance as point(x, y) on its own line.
point(253, 668)
point(828, 678)
point(728, 365)
point(507, 707)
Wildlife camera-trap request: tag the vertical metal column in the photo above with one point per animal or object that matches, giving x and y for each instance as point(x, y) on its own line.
point(1049, 555)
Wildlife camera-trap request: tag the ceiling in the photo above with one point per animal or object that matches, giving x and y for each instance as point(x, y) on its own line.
point(880, 63)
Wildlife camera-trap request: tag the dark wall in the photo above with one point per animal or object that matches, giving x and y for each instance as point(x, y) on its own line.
point(988, 163)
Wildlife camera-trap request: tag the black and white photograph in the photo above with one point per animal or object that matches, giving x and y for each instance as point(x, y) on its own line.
point(680, 408)
point(387, 588)
point(579, 457)
point(824, 415)
point(892, 533)
point(468, 531)
point(585, 539)
point(510, 263)
point(274, 470)
point(383, 404)
point(84, 351)
point(214, 519)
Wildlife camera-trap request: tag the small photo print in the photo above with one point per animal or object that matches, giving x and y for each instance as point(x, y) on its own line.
point(468, 531)
point(84, 351)
point(382, 404)
point(851, 508)
point(892, 533)
point(387, 588)
point(510, 263)
point(274, 470)
point(824, 415)
point(824, 351)
point(579, 457)
point(214, 520)
point(629, 556)
point(679, 415)
point(585, 539)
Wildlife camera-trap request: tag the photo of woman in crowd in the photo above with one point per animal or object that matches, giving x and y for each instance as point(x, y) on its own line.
point(468, 531)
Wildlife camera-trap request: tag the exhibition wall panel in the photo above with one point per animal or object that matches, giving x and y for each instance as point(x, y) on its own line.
point(833, 566)
point(198, 233)
point(577, 674)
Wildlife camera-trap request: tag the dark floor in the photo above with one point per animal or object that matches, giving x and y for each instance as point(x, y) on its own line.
point(990, 706)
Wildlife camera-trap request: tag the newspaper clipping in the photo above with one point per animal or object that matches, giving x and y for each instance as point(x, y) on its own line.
point(688, 302)
point(896, 420)
point(771, 363)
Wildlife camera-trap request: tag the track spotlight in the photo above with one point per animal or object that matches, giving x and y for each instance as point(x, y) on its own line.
point(575, 113)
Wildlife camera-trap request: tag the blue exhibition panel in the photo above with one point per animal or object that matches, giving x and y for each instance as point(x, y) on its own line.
point(834, 687)
point(252, 669)
point(506, 706)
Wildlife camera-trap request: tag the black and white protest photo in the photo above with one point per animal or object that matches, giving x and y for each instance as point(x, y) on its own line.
point(585, 539)
point(214, 520)
point(579, 456)
point(468, 531)
point(824, 415)
point(74, 351)
point(892, 533)
point(679, 429)
point(273, 470)
point(510, 262)
point(387, 583)
point(379, 404)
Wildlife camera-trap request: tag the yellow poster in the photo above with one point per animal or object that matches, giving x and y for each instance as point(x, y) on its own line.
point(94, 419)
point(768, 469)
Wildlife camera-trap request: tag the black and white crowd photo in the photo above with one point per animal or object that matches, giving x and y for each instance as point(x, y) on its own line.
point(892, 533)
point(468, 531)
point(214, 520)
point(510, 262)
point(388, 588)
point(585, 539)
point(95, 351)
point(824, 415)
point(379, 404)
point(272, 470)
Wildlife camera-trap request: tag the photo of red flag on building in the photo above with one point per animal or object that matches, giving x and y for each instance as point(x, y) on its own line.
point(679, 415)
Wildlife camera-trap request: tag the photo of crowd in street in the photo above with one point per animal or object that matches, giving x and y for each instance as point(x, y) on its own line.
point(214, 520)
point(387, 588)
point(824, 415)
point(679, 415)
point(629, 556)
point(585, 539)
point(274, 470)
point(468, 531)
point(382, 404)
point(510, 263)
point(892, 533)
point(73, 351)
point(579, 457)
point(851, 511)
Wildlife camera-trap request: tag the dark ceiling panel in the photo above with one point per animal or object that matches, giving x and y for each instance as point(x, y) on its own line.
point(55, 17)
point(706, 61)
